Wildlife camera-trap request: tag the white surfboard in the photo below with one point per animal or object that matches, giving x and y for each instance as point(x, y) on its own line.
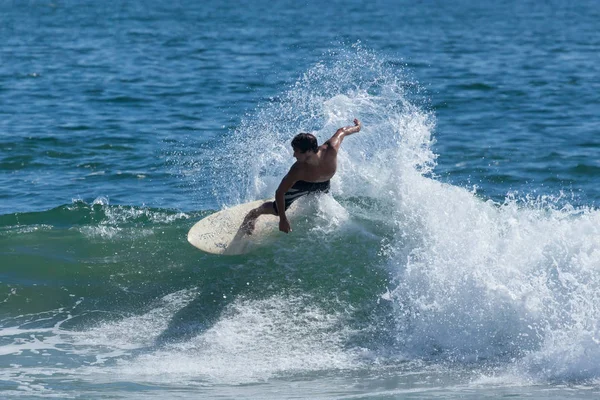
point(221, 233)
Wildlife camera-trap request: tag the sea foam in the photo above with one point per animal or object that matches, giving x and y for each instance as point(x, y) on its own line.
point(471, 280)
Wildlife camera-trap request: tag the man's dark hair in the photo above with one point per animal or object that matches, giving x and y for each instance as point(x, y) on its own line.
point(305, 142)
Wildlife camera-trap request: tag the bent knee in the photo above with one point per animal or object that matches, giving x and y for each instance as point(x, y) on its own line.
point(267, 208)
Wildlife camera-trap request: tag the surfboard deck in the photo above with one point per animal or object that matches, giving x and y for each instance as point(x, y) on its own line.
point(221, 233)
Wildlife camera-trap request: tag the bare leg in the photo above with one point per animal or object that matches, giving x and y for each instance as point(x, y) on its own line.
point(250, 219)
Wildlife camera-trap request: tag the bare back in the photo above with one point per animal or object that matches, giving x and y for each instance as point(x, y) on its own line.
point(320, 168)
point(323, 165)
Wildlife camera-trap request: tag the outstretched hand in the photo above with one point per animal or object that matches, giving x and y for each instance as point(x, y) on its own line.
point(355, 128)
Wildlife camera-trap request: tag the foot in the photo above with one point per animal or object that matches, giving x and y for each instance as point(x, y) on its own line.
point(248, 225)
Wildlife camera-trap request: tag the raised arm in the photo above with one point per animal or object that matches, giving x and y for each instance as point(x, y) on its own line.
point(340, 134)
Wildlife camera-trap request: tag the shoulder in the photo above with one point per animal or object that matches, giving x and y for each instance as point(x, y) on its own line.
point(331, 145)
point(296, 170)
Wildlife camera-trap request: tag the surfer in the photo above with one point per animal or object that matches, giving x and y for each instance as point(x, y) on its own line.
point(311, 173)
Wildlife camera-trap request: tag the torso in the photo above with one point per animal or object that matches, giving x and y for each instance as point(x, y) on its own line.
point(325, 167)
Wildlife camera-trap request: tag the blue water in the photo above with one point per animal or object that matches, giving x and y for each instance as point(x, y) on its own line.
point(458, 254)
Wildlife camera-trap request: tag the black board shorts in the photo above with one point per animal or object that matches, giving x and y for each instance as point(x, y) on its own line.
point(302, 188)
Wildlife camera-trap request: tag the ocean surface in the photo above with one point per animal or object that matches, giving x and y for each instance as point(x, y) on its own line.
point(457, 255)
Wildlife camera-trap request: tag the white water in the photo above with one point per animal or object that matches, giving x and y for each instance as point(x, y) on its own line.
point(516, 283)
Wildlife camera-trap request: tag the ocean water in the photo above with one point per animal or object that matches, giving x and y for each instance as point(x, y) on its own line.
point(457, 255)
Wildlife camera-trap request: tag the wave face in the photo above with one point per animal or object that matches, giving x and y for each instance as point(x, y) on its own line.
point(394, 269)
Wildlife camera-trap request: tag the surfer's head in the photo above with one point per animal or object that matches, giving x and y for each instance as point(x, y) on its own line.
point(305, 142)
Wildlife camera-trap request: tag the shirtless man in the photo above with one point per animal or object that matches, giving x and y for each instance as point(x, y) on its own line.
point(311, 173)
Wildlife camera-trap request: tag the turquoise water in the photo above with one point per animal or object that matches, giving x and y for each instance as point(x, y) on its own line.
point(457, 255)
